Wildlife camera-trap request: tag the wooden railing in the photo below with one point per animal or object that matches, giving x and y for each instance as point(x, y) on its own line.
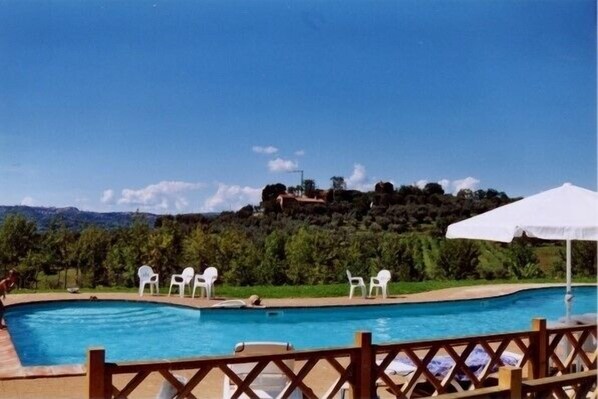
point(512, 386)
point(362, 369)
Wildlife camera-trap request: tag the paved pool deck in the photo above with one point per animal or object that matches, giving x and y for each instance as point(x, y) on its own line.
point(17, 381)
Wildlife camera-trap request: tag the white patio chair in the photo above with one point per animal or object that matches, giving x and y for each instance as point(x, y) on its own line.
point(205, 281)
point(380, 282)
point(147, 276)
point(182, 280)
point(355, 282)
point(271, 381)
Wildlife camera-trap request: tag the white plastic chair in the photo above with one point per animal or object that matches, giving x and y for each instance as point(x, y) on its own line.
point(147, 276)
point(205, 281)
point(380, 282)
point(355, 282)
point(182, 280)
point(271, 381)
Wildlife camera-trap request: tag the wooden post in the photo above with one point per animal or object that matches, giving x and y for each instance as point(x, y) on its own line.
point(96, 373)
point(365, 387)
point(540, 358)
point(510, 378)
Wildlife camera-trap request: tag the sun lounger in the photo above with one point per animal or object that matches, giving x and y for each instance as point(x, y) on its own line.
point(271, 381)
point(579, 319)
point(441, 365)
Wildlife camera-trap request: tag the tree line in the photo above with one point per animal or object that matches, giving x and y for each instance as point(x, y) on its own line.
point(400, 230)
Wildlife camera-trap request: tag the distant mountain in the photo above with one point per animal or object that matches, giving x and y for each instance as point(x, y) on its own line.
point(73, 217)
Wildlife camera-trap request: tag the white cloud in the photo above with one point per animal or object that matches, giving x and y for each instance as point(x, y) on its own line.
point(264, 150)
point(359, 179)
point(421, 183)
point(453, 186)
point(159, 196)
point(28, 201)
point(469, 183)
point(107, 196)
point(446, 185)
point(282, 165)
point(231, 198)
point(300, 153)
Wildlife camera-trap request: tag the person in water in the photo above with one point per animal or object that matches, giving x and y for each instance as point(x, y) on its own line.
point(6, 285)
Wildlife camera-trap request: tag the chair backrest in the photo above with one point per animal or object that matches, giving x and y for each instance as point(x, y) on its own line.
point(144, 272)
point(384, 275)
point(188, 274)
point(211, 272)
point(261, 348)
point(349, 275)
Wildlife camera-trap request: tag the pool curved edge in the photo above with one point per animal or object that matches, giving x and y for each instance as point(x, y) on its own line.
point(491, 298)
point(306, 303)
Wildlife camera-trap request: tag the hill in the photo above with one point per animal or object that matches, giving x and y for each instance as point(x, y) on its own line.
point(74, 218)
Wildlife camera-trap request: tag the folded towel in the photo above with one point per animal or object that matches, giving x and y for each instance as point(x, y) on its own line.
point(400, 367)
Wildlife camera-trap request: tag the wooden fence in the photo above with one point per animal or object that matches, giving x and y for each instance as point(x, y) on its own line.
point(362, 369)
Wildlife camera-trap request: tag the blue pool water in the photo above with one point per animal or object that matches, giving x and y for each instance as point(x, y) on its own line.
point(60, 332)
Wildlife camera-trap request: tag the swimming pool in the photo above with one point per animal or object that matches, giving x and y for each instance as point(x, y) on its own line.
point(60, 332)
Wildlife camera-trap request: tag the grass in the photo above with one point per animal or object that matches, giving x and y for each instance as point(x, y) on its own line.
point(329, 290)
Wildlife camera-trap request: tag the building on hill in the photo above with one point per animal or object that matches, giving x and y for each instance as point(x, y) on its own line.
point(290, 200)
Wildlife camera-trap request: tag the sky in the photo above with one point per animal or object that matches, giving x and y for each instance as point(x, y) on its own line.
point(194, 106)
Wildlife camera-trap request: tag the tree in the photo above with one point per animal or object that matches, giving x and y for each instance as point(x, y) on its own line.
point(271, 191)
point(384, 187)
point(200, 249)
point(338, 183)
point(409, 191)
point(18, 236)
point(458, 259)
point(299, 250)
point(90, 252)
point(122, 264)
point(398, 258)
point(237, 257)
point(129, 250)
point(58, 246)
point(522, 261)
point(583, 260)
point(269, 194)
point(165, 248)
point(309, 188)
point(465, 193)
point(273, 265)
point(433, 188)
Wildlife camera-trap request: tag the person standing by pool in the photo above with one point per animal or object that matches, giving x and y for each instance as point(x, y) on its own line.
point(6, 285)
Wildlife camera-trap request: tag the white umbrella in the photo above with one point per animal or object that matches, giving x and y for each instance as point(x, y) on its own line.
point(563, 213)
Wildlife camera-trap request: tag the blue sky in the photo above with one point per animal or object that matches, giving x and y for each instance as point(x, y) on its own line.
point(192, 106)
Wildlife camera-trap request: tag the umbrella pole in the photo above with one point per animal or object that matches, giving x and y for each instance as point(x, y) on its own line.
point(568, 294)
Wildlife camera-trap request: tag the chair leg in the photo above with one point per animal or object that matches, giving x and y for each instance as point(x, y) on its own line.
point(351, 292)
point(182, 291)
point(170, 289)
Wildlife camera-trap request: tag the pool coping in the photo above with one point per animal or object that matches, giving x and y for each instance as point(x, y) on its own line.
point(11, 367)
